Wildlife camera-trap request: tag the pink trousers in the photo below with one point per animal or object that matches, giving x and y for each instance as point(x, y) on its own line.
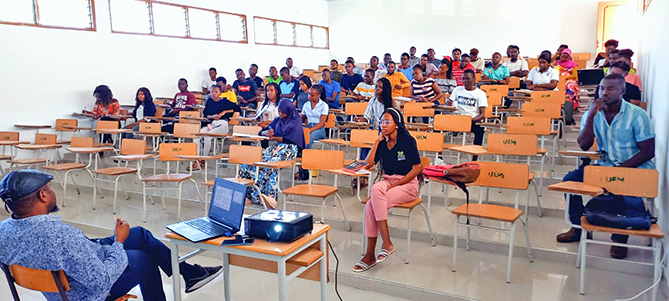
point(381, 200)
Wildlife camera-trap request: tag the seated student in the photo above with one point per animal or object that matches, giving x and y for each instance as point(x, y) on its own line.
point(445, 79)
point(315, 114)
point(601, 58)
point(379, 71)
point(624, 133)
point(625, 55)
point(516, 65)
point(336, 74)
point(288, 86)
point(350, 80)
point(302, 95)
point(558, 54)
point(497, 71)
point(424, 88)
point(632, 92)
point(253, 71)
point(96, 269)
point(405, 67)
point(413, 59)
point(182, 99)
point(144, 108)
point(568, 69)
point(287, 131)
point(544, 77)
point(396, 152)
point(398, 81)
point(432, 59)
point(472, 101)
point(246, 91)
point(457, 55)
point(611, 57)
point(428, 69)
point(218, 111)
point(226, 92)
point(332, 89)
point(459, 68)
point(105, 106)
point(208, 82)
point(269, 109)
point(356, 69)
point(274, 76)
point(295, 72)
point(476, 61)
point(365, 89)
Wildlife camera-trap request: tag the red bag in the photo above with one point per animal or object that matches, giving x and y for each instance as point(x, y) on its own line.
point(464, 173)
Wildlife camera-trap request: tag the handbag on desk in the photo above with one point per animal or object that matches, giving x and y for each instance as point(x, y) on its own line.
point(617, 211)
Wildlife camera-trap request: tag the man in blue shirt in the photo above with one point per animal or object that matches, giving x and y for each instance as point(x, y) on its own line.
point(288, 85)
point(332, 89)
point(350, 80)
point(626, 138)
point(96, 269)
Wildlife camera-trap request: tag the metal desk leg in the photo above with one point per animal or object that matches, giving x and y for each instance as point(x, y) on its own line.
point(281, 264)
point(226, 276)
point(176, 275)
point(324, 268)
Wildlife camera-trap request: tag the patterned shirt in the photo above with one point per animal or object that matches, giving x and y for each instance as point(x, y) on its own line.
point(374, 112)
point(112, 108)
point(619, 140)
point(423, 89)
point(44, 242)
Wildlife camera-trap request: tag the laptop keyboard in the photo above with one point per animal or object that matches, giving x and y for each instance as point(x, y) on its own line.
point(207, 227)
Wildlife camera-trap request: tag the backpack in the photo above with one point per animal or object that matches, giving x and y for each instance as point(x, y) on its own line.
point(616, 211)
point(458, 175)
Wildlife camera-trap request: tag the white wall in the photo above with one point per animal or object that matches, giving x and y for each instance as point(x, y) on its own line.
point(652, 67)
point(50, 73)
point(362, 28)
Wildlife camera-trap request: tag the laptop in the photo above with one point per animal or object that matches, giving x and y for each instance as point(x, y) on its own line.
point(225, 214)
point(590, 77)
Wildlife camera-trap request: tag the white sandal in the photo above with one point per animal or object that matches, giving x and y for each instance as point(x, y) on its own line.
point(385, 253)
point(363, 266)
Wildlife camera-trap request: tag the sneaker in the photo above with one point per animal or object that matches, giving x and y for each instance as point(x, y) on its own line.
point(618, 252)
point(208, 274)
point(195, 166)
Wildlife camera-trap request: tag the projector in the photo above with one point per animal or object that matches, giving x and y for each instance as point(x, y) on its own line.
point(278, 225)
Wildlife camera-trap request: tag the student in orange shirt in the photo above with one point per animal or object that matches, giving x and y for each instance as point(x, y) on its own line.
point(398, 81)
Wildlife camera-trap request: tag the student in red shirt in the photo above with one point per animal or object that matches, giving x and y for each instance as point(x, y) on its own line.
point(459, 69)
point(181, 99)
point(105, 106)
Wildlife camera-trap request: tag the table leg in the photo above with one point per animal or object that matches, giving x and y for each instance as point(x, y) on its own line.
point(282, 279)
point(226, 276)
point(176, 286)
point(324, 269)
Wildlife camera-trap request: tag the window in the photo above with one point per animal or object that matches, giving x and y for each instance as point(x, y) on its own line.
point(175, 20)
point(285, 33)
point(69, 14)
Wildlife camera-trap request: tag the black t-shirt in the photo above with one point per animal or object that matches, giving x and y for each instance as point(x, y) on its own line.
point(216, 107)
point(401, 158)
point(631, 92)
point(246, 88)
point(258, 81)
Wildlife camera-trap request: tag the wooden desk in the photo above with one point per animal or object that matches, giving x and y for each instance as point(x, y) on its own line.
point(37, 146)
point(12, 143)
point(32, 127)
point(474, 150)
point(298, 258)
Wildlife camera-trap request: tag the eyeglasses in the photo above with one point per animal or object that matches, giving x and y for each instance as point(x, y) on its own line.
point(383, 122)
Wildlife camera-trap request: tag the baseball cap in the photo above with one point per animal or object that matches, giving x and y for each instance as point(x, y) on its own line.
point(19, 184)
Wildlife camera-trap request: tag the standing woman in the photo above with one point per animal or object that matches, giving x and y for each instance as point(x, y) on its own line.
point(444, 78)
point(105, 106)
point(569, 70)
point(144, 107)
point(396, 153)
point(302, 95)
point(287, 131)
point(268, 111)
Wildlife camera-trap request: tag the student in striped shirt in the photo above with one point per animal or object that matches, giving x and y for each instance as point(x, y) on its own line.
point(424, 88)
point(459, 69)
point(365, 89)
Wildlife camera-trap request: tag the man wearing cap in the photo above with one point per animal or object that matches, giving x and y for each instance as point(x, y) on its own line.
point(476, 61)
point(96, 269)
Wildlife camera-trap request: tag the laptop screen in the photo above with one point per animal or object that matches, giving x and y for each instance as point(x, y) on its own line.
point(227, 203)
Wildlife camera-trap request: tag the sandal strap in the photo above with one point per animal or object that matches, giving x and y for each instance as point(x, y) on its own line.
point(363, 265)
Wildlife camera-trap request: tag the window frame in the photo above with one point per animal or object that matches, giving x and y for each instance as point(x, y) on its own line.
point(188, 33)
point(36, 19)
point(293, 24)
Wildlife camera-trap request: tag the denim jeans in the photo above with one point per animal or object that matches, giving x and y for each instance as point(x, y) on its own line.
point(315, 135)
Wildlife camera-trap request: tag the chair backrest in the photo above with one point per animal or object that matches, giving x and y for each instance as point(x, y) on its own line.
point(585, 56)
point(246, 129)
point(638, 182)
point(532, 63)
point(133, 147)
point(503, 175)
point(61, 123)
point(245, 154)
point(37, 280)
point(169, 151)
point(514, 82)
point(189, 114)
point(529, 125)
point(489, 113)
point(452, 123)
point(307, 134)
point(318, 159)
point(9, 136)
point(502, 89)
point(494, 98)
point(186, 130)
point(512, 144)
point(542, 109)
point(82, 142)
point(45, 138)
point(417, 109)
point(331, 122)
point(429, 141)
point(234, 120)
point(149, 128)
point(159, 112)
point(425, 161)
point(355, 108)
point(580, 63)
point(106, 125)
point(359, 137)
point(548, 96)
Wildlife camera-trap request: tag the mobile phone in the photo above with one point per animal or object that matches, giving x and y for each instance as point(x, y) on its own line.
point(239, 240)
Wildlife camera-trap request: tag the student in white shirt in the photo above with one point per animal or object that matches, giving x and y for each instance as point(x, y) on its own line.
point(208, 82)
point(472, 101)
point(379, 71)
point(516, 65)
point(544, 77)
point(295, 72)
